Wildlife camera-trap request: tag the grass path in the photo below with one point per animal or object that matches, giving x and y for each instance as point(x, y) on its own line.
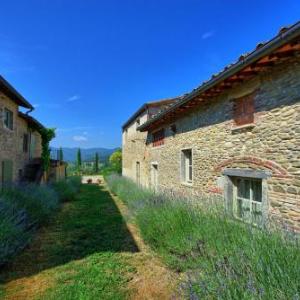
point(88, 252)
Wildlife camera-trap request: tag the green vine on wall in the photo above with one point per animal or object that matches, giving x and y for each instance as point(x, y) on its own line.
point(47, 134)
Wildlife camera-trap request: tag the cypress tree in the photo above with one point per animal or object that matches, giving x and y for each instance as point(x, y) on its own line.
point(96, 162)
point(61, 154)
point(79, 163)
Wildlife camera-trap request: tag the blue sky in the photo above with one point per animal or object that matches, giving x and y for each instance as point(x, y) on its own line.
point(88, 65)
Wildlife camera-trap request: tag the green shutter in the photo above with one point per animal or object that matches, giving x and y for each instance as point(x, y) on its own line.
point(7, 172)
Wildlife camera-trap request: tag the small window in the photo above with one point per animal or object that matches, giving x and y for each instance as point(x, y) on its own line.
point(8, 119)
point(158, 138)
point(187, 166)
point(248, 200)
point(25, 142)
point(244, 110)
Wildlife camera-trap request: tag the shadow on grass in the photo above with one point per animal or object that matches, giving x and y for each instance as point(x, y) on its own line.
point(90, 224)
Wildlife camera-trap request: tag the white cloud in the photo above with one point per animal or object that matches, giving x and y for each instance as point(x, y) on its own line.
point(36, 105)
point(76, 128)
point(73, 98)
point(207, 35)
point(79, 138)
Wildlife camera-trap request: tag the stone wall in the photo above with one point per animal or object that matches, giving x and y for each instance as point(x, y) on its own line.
point(11, 141)
point(273, 144)
point(134, 149)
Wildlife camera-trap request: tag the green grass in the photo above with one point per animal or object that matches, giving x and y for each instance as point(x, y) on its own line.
point(223, 258)
point(83, 251)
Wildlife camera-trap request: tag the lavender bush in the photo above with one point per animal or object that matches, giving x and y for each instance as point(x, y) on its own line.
point(23, 208)
point(223, 258)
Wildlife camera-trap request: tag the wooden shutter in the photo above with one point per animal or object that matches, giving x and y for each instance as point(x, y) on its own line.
point(7, 172)
point(244, 110)
point(159, 138)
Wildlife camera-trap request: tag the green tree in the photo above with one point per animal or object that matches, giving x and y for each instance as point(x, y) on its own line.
point(79, 162)
point(96, 162)
point(47, 134)
point(115, 161)
point(61, 154)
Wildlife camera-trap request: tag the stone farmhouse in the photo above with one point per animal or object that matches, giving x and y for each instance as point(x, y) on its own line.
point(237, 136)
point(20, 143)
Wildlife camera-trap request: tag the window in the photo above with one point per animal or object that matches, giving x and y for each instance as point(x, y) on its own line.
point(25, 142)
point(8, 119)
point(247, 204)
point(244, 110)
point(158, 138)
point(187, 166)
point(154, 176)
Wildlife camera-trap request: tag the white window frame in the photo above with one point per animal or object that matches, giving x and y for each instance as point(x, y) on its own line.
point(230, 191)
point(185, 164)
point(154, 185)
point(250, 202)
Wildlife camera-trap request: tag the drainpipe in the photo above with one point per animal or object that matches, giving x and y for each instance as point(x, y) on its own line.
point(29, 111)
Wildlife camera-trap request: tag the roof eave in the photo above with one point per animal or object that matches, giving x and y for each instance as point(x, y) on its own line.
point(11, 92)
point(272, 45)
point(31, 120)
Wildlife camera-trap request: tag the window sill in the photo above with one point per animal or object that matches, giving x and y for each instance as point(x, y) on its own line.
point(189, 184)
point(236, 128)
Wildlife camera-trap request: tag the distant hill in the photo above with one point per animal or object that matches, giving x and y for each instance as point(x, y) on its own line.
point(70, 154)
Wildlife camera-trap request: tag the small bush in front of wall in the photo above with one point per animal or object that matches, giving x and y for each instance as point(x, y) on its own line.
point(39, 201)
point(68, 188)
point(222, 258)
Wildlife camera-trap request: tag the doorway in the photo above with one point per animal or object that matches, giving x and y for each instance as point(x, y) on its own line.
point(154, 176)
point(138, 173)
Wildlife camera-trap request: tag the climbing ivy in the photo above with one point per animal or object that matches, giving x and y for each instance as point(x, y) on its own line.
point(47, 134)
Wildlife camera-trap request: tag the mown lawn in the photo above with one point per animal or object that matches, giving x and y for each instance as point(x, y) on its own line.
point(81, 254)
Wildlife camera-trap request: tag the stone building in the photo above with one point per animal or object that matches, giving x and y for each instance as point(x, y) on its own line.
point(20, 143)
point(237, 135)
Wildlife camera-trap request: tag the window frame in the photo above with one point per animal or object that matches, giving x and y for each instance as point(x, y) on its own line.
point(250, 200)
point(230, 176)
point(8, 122)
point(186, 166)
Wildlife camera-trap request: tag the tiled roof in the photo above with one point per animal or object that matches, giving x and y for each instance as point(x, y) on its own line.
point(163, 103)
point(247, 64)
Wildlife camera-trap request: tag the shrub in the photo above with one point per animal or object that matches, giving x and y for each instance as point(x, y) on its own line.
point(13, 231)
point(39, 201)
point(24, 208)
point(223, 258)
point(67, 189)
